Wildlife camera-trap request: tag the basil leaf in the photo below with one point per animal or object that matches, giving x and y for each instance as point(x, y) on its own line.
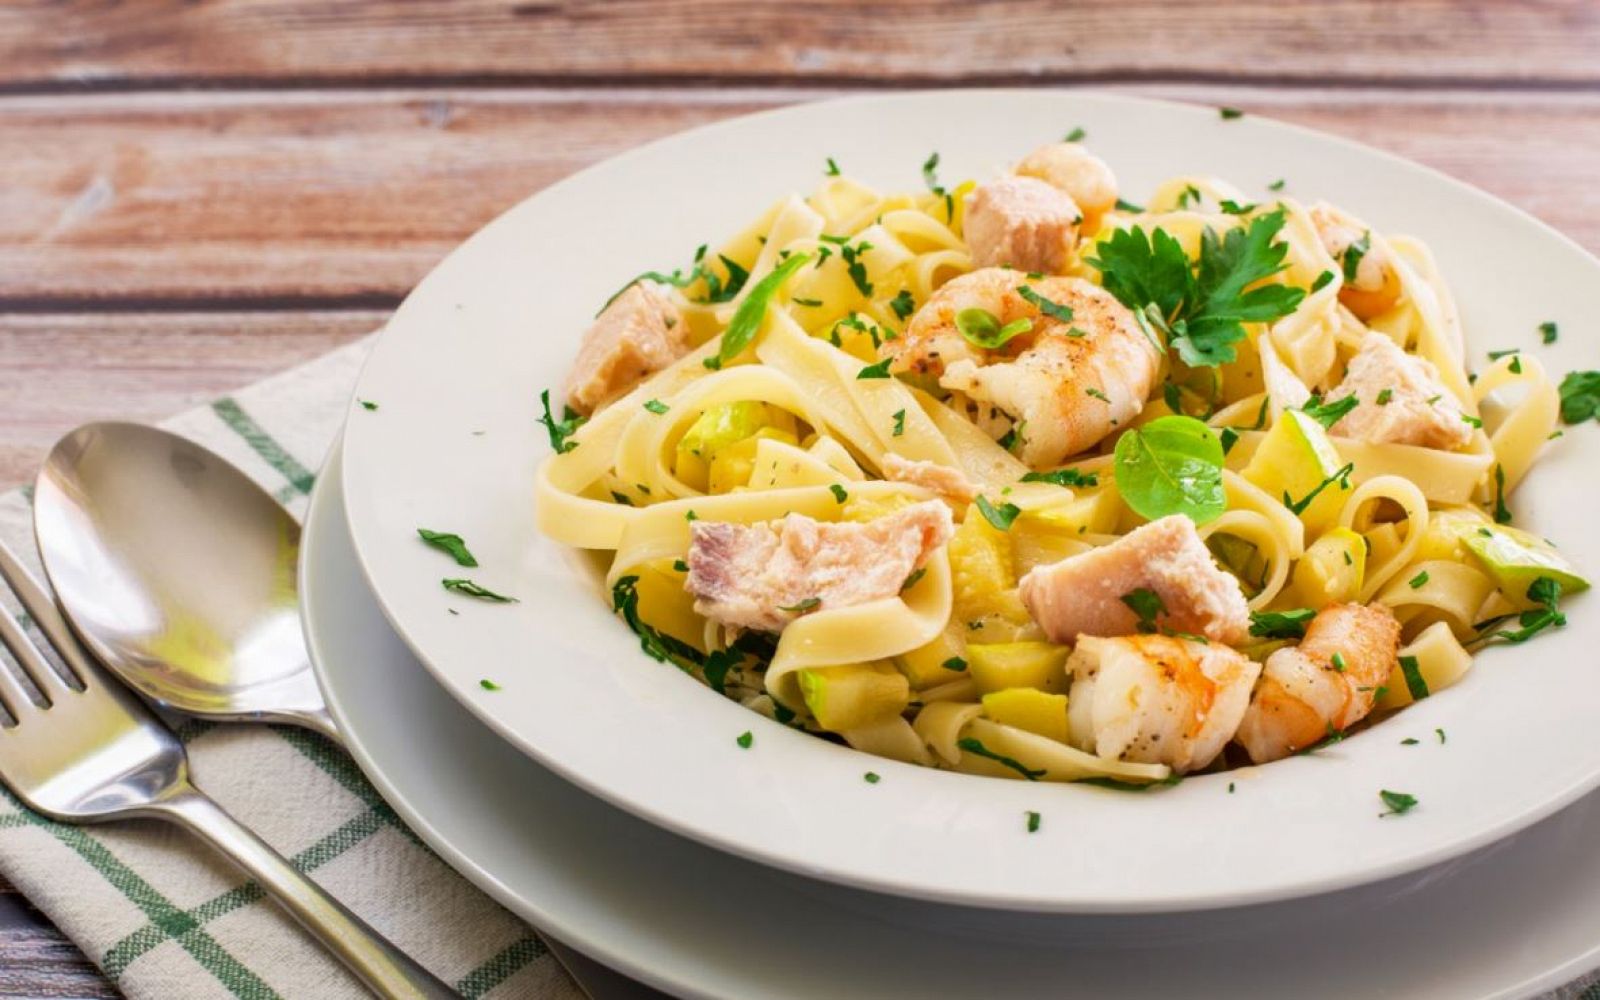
point(450, 544)
point(747, 319)
point(1172, 465)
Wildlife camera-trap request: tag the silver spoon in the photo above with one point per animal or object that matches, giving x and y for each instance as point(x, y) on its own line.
point(179, 574)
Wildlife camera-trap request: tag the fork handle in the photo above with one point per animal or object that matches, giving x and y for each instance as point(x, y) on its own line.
point(385, 969)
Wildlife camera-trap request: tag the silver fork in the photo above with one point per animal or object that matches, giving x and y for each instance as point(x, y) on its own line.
point(94, 753)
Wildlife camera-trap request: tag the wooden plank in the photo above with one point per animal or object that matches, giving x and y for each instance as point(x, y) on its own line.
point(64, 370)
point(37, 961)
point(346, 198)
point(46, 43)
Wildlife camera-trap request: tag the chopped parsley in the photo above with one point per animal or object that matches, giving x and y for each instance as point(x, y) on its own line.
point(855, 267)
point(899, 422)
point(1281, 624)
point(1277, 185)
point(1470, 420)
point(1054, 310)
point(1078, 134)
point(911, 581)
point(1411, 670)
point(1231, 207)
point(1350, 259)
point(977, 748)
point(1328, 414)
point(1128, 206)
point(879, 370)
point(1322, 281)
point(871, 777)
point(1580, 396)
point(1549, 331)
point(1502, 513)
point(930, 177)
point(1147, 604)
point(1000, 516)
point(489, 685)
point(954, 663)
point(1418, 580)
point(680, 565)
point(470, 589)
point(1384, 395)
point(560, 430)
point(656, 406)
point(1337, 662)
point(1342, 477)
point(1230, 114)
point(1399, 803)
point(1033, 821)
point(809, 604)
point(690, 515)
point(982, 328)
point(1229, 437)
point(1063, 477)
point(745, 739)
point(1516, 365)
point(839, 494)
point(1410, 741)
point(1201, 306)
point(832, 170)
point(1097, 394)
point(808, 303)
point(1545, 592)
point(367, 404)
point(656, 644)
point(903, 304)
point(449, 544)
point(747, 319)
point(1439, 733)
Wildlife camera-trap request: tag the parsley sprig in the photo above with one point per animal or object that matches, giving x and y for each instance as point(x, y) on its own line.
point(1201, 306)
point(561, 430)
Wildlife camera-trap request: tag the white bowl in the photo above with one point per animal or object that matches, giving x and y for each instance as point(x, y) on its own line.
point(454, 443)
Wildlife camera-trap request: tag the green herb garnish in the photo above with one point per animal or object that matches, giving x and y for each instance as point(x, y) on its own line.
point(1418, 580)
point(1322, 281)
point(871, 777)
point(976, 747)
point(954, 663)
point(1063, 477)
point(367, 404)
point(903, 304)
point(1411, 670)
point(1548, 331)
point(656, 644)
point(1054, 310)
point(1229, 114)
point(747, 319)
point(1201, 306)
point(1399, 803)
point(809, 604)
point(561, 430)
point(1277, 185)
point(1281, 624)
point(1172, 465)
point(1342, 477)
point(450, 544)
point(1384, 396)
point(1502, 513)
point(1076, 135)
point(489, 685)
point(832, 169)
point(911, 581)
point(656, 406)
point(1580, 396)
point(1033, 821)
point(471, 589)
point(1328, 414)
point(745, 739)
point(899, 422)
point(982, 328)
point(1350, 259)
point(879, 370)
point(1000, 516)
point(1147, 604)
point(839, 494)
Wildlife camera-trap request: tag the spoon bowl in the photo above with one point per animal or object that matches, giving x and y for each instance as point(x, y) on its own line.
point(178, 572)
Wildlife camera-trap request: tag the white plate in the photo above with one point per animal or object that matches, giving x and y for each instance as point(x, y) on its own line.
point(499, 319)
point(1505, 922)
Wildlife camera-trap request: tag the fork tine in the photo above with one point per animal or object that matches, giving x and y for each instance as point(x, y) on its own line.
point(42, 607)
point(13, 696)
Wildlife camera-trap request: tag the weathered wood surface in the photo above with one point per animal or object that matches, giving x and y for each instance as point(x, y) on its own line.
point(48, 44)
point(347, 198)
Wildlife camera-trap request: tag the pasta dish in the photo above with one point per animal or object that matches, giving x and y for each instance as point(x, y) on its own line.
point(1022, 479)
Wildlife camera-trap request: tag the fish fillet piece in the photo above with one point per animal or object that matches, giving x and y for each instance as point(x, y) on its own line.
point(1156, 699)
point(1419, 409)
point(637, 335)
point(1306, 693)
point(951, 485)
point(1021, 222)
point(1083, 176)
point(1083, 594)
point(764, 576)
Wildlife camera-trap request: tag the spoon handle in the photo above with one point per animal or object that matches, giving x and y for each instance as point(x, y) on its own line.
point(385, 969)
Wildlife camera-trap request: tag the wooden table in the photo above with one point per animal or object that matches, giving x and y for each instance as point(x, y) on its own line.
point(198, 194)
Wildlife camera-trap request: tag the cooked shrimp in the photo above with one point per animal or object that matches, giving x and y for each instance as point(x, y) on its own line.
point(1376, 285)
point(1326, 684)
point(763, 576)
point(1156, 699)
point(1023, 223)
point(1083, 594)
point(637, 335)
point(1065, 385)
point(1416, 408)
point(1085, 178)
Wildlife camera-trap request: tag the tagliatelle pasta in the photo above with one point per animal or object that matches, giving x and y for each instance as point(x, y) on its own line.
point(1235, 441)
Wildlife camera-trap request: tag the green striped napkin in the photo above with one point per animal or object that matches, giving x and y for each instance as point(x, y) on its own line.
point(165, 918)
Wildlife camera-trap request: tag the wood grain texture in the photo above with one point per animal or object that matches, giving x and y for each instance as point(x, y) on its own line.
point(37, 961)
point(49, 43)
point(64, 370)
point(347, 198)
